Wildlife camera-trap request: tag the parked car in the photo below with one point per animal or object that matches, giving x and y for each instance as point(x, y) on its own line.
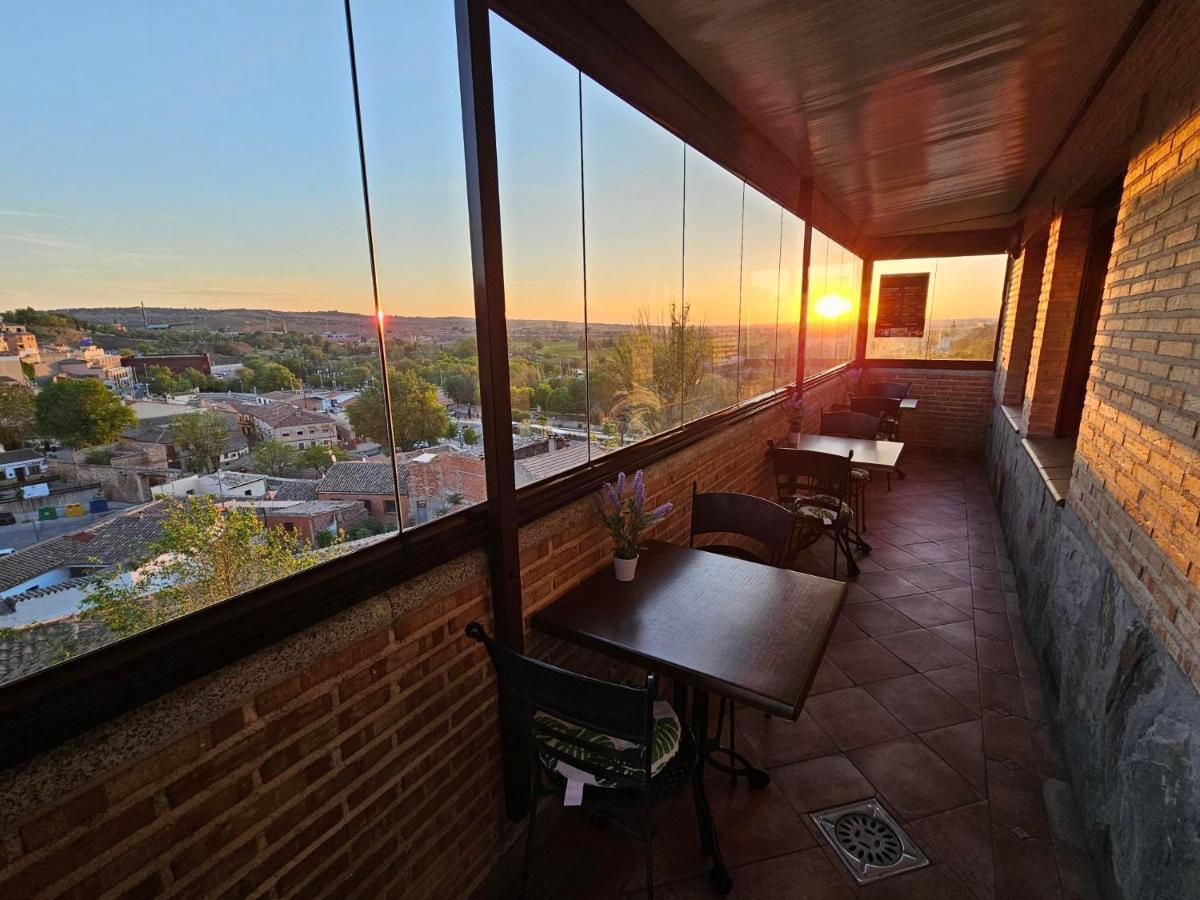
point(7, 518)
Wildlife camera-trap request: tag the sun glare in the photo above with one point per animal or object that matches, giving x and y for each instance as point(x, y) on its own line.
point(832, 306)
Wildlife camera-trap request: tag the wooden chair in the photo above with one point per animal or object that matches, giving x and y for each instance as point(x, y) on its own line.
point(609, 734)
point(888, 410)
point(864, 426)
point(816, 487)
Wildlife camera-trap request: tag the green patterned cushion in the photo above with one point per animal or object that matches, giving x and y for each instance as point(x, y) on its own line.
point(860, 474)
point(664, 745)
point(823, 508)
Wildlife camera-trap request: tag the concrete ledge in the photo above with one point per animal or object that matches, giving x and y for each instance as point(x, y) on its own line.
point(1054, 459)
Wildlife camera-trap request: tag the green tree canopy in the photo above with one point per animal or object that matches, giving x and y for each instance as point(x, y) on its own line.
point(161, 380)
point(16, 415)
point(274, 377)
point(275, 457)
point(416, 413)
point(201, 438)
point(321, 458)
point(81, 413)
point(470, 436)
point(462, 388)
point(204, 555)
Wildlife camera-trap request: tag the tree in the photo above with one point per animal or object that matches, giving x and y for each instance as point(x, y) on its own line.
point(201, 438)
point(451, 431)
point(16, 414)
point(205, 555)
point(275, 457)
point(321, 458)
point(274, 377)
point(462, 388)
point(470, 436)
point(81, 413)
point(417, 416)
point(161, 380)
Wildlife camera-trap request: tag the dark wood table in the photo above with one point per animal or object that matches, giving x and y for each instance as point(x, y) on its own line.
point(752, 633)
point(908, 403)
point(870, 454)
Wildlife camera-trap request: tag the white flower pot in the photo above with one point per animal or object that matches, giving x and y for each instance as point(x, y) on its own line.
point(624, 568)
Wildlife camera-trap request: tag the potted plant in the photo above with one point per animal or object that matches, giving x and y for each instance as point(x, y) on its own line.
point(625, 517)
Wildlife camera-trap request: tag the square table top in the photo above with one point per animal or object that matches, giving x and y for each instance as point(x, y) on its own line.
point(908, 403)
point(739, 629)
point(878, 454)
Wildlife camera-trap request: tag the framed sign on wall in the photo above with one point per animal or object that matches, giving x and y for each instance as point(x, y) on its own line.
point(902, 302)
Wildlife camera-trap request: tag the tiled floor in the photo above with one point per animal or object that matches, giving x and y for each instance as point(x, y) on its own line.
point(928, 699)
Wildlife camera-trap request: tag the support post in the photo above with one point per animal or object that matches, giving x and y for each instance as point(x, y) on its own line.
point(806, 189)
point(491, 329)
point(864, 310)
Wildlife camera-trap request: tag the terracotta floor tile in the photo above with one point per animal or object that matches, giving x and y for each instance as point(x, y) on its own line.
point(878, 618)
point(1015, 798)
point(821, 783)
point(959, 598)
point(960, 682)
point(829, 678)
point(927, 610)
point(853, 718)
point(960, 569)
point(887, 584)
point(932, 552)
point(890, 557)
point(777, 741)
point(988, 600)
point(845, 630)
point(923, 650)
point(779, 877)
point(1075, 874)
point(912, 779)
point(1001, 693)
point(962, 839)
point(918, 703)
point(996, 656)
point(962, 747)
point(866, 660)
point(959, 635)
point(1025, 869)
point(1011, 738)
point(893, 534)
point(579, 858)
point(993, 625)
point(856, 593)
point(935, 882)
point(987, 578)
point(930, 577)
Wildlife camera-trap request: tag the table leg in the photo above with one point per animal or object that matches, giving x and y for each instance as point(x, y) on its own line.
point(738, 766)
point(719, 876)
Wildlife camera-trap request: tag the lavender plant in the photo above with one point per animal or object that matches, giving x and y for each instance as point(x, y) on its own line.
point(625, 516)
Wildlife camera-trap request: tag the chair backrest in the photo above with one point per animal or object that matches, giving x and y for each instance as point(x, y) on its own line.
point(744, 514)
point(876, 406)
point(800, 473)
point(576, 701)
point(850, 424)
point(897, 390)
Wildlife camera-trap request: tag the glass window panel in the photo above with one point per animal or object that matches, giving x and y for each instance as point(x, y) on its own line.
point(962, 310)
point(182, 242)
point(791, 265)
point(541, 206)
point(760, 294)
point(633, 195)
point(712, 273)
point(408, 76)
point(832, 306)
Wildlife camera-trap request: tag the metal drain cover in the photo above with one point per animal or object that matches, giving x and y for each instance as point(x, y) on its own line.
point(868, 840)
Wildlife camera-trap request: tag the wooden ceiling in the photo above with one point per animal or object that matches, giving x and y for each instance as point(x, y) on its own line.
point(914, 116)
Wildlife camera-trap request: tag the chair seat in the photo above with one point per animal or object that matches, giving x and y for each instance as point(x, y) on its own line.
point(860, 474)
point(666, 784)
point(664, 745)
point(822, 508)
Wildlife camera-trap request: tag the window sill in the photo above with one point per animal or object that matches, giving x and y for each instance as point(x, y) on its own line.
point(1054, 458)
point(1014, 414)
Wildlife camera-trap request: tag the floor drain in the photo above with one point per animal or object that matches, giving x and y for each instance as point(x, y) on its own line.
point(868, 840)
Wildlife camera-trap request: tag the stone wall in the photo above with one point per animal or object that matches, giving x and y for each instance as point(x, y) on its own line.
point(1126, 715)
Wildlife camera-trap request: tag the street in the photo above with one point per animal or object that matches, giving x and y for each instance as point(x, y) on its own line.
point(25, 534)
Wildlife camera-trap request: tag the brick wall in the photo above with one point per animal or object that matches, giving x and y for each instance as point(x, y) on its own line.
point(357, 758)
point(1062, 276)
point(953, 411)
point(1020, 316)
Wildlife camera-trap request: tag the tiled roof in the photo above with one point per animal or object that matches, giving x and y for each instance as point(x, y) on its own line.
point(278, 415)
point(157, 430)
point(109, 542)
point(535, 468)
point(12, 457)
point(292, 489)
point(361, 478)
point(313, 507)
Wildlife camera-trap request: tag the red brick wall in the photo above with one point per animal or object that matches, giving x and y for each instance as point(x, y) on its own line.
point(953, 411)
point(1062, 276)
point(1020, 315)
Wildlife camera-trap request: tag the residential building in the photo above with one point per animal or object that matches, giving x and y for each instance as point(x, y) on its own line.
point(369, 483)
point(22, 465)
point(178, 363)
point(287, 424)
